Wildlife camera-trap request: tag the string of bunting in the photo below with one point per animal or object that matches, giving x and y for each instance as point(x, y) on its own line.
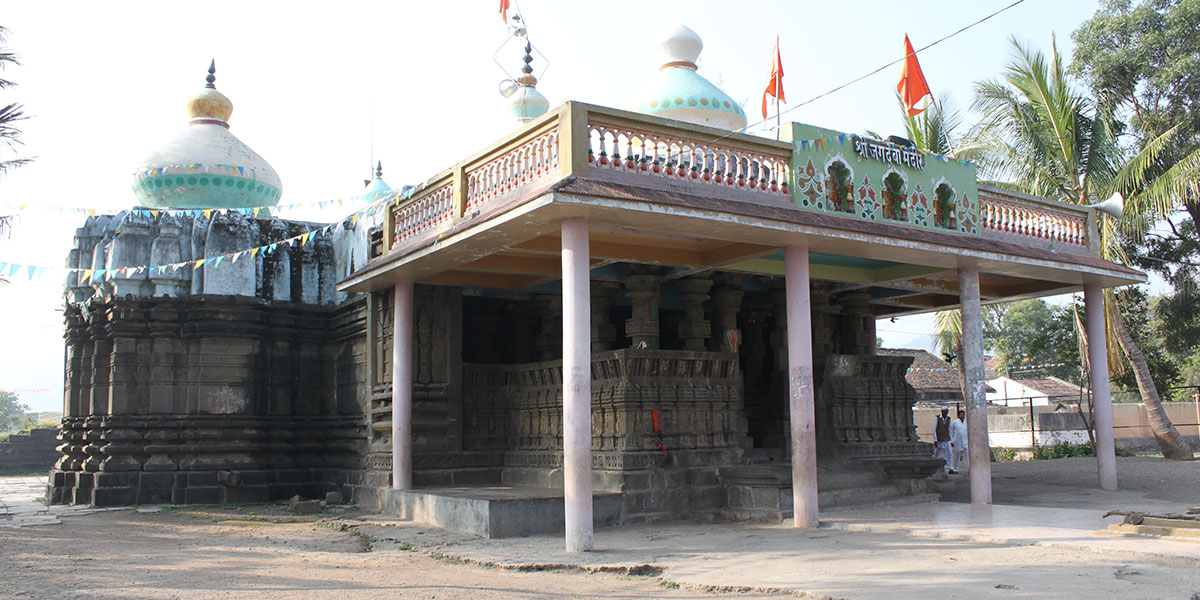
point(32, 272)
point(841, 139)
point(1009, 369)
point(157, 212)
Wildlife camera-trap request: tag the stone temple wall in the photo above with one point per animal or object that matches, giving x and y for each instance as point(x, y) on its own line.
point(663, 422)
point(241, 382)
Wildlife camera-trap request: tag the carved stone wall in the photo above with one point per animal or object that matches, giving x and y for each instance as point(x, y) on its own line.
point(870, 407)
point(438, 449)
point(206, 399)
point(663, 422)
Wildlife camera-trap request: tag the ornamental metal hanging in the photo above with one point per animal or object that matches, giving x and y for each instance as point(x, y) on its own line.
point(888, 153)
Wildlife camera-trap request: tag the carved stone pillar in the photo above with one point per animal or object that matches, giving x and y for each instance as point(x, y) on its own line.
point(643, 292)
point(778, 336)
point(822, 324)
point(695, 329)
point(604, 333)
point(727, 300)
point(549, 341)
point(856, 311)
point(526, 324)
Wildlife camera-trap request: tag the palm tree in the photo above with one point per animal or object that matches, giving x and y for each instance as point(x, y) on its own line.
point(10, 135)
point(1042, 136)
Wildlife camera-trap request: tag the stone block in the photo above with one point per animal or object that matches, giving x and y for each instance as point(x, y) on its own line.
point(706, 498)
point(245, 494)
point(114, 496)
point(305, 507)
point(156, 482)
point(202, 478)
point(334, 498)
point(636, 481)
point(113, 480)
point(201, 495)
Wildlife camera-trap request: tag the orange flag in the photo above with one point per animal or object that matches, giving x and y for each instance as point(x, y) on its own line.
point(504, 10)
point(912, 86)
point(775, 82)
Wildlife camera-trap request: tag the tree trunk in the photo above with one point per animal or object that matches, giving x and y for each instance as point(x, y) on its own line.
point(1172, 444)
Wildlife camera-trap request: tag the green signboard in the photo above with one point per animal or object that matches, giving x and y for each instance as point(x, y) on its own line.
point(860, 177)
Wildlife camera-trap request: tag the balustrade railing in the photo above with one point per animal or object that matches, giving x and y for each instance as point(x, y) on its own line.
point(579, 139)
point(520, 165)
point(677, 156)
point(423, 213)
point(1037, 221)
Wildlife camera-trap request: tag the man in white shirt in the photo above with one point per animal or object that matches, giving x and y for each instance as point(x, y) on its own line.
point(958, 440)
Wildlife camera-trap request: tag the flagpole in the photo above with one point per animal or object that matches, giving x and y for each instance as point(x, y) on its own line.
point(777, 84)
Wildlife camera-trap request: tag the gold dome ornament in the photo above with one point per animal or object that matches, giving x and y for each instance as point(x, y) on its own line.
point(209, 105)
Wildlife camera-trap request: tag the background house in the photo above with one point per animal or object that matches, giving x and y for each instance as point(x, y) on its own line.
point(1046, 391)
point(935, 380)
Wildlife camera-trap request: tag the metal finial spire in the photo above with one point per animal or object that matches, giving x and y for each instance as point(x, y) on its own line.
point(528, 58)
point(379, 170)
point(212, 77)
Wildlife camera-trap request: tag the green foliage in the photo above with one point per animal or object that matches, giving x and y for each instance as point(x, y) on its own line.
point(1148, 57)
point(1135, 305)
point(1063, 450)
point(1003, 454)
point(11, 411)
point(1033, 333)
point(1039, 133)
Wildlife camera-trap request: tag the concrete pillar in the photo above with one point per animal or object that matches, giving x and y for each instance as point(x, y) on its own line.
point(801, 395)
point(1106, 457)
point(402, 380)
point(577, 385)
point(977, 411)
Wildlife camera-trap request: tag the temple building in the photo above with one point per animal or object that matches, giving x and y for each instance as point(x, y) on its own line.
point(609, 317)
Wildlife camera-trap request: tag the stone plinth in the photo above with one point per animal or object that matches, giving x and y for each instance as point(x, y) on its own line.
point(496, 511)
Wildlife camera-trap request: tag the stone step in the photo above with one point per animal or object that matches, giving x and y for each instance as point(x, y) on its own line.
point(861, 495)
point(837, 480)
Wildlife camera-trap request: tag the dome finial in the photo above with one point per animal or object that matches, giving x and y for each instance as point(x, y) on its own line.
point(379, 169)
point(679, 92)
point(212, 75)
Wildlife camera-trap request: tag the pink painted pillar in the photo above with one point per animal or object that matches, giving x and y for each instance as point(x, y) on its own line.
point(402, 367)
point(800, 387)
point(577, 384)
point(1106, 455)
point(978, 445)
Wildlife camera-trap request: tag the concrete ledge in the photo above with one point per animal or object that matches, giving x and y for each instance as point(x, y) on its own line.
point(496, 511)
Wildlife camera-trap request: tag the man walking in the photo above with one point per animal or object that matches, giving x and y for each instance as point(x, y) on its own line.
point(958, 441)
point(941, 439)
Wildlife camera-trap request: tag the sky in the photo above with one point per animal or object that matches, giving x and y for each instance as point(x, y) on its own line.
point(322, 90)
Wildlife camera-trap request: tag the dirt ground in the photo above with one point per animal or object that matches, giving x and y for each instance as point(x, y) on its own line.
point(1144, 481)
point(264, 552)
